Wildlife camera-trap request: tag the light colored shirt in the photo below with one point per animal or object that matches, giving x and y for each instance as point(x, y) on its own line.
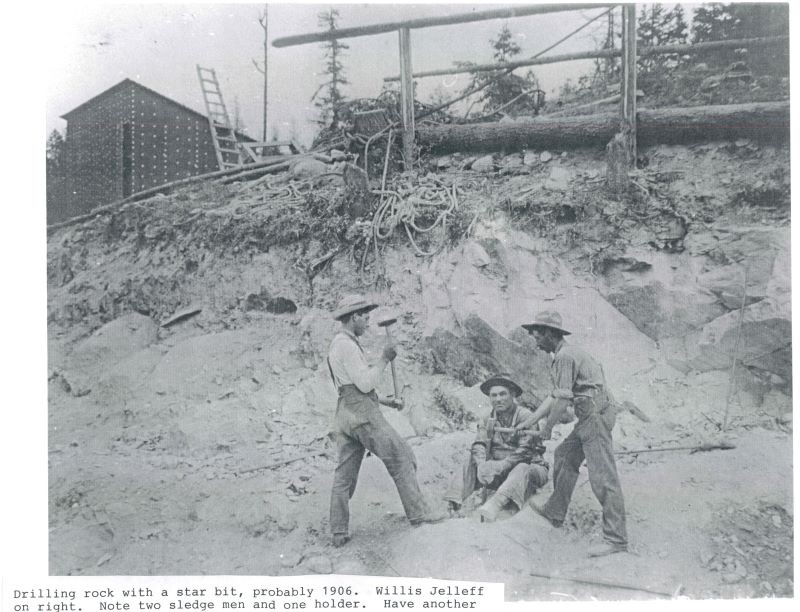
point(574, 372)
point(349, 365)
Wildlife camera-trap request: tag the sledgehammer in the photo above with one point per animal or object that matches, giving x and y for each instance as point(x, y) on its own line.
point(385, 323)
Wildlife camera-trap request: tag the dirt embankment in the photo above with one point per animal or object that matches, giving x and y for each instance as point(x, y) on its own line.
point(157, 426)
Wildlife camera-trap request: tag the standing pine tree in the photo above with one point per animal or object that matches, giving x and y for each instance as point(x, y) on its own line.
point(329, 97)
point(658, 26)
point(503, 88)
point(744, 20)
point(56, 178)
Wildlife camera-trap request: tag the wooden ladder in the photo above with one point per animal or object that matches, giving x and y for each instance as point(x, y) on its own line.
point(222, 133)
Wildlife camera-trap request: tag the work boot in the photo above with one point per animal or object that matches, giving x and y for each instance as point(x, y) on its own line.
point(607, 548)
point(492, 508)
point(340, 539)
point(540, 511)
point(429, 519)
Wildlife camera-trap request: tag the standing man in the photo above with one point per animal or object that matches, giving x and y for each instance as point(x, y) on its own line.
point(579, 382)
point(506, 456)
point(359, 424)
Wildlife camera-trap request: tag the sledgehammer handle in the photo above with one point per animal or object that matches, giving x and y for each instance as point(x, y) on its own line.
point(394, 372)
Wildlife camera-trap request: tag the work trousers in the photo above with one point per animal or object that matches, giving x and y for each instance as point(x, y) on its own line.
point(360, 426)
point(517, 486)
point(590, 439)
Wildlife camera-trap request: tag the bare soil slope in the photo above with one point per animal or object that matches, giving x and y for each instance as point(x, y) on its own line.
point(201, 446)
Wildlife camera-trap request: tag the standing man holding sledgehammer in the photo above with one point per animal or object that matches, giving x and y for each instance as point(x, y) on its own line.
point(578, 380)
point(359, 425)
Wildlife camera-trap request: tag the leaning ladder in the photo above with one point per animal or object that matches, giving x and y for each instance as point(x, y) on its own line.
point(222, 133)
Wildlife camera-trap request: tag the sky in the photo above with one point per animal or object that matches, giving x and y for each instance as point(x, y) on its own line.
point(159, 46)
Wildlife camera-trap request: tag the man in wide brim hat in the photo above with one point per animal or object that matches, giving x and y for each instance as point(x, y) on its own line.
point(579, 384)
point(502, 381)
point(547, 319)
point(506, 459)
point(359, 425)
point(351, 304)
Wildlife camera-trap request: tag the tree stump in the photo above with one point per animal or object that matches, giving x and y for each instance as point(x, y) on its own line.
point(618, 160)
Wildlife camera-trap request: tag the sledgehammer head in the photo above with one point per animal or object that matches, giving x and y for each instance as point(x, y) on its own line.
point(386, 321)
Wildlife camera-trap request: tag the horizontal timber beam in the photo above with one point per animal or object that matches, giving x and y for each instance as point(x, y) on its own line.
point(430, 22)
point(606, 53)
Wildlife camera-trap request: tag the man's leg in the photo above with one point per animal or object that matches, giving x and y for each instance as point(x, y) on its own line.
point(522, 482)
point(567, 461)
point(345, 477)
point(604, 480)
point(463, 484)
point(385, 443)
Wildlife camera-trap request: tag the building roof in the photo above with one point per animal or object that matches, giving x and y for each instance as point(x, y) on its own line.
point(131, 83)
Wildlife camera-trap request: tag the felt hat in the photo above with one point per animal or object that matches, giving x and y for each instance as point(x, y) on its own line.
point(501, 381)
point(547, 318)
point(353, 303)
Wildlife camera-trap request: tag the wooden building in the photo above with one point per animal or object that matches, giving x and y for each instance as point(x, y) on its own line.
point(130, 138)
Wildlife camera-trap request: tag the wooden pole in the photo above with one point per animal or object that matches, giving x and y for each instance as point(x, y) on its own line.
point(429, 22)
point(748, 43)
point(603, 583)
point(407, 97)
point(628, 100)
point(266, 71)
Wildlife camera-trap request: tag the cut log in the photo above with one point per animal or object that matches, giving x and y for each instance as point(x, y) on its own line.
point(764, 121)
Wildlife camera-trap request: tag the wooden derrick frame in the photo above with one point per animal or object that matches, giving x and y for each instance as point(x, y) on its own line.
point(403, 28)
point(627, 109)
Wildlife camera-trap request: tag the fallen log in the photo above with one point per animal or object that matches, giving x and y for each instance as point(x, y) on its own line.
point(228, 175)
point(764, 121)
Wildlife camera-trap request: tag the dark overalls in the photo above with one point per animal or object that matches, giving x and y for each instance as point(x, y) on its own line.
point(360, 426)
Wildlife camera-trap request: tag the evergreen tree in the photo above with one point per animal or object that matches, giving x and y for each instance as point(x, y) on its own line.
point(713, 21)
point(735, 21)
point(329, 96)
point(56, 177)
point(55, 154)
point(657, 27)
point(503, 88)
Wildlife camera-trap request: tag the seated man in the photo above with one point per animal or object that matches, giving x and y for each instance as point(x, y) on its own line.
point(506, 457)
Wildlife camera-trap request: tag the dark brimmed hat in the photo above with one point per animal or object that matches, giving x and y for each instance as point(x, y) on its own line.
point(501, 381)
point(547, 318)
point(353, 303)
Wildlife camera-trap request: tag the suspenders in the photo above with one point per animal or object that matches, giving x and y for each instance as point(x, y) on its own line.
point(328, 359)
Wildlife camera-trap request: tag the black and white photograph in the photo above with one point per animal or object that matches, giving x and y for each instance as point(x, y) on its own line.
point(474, 292)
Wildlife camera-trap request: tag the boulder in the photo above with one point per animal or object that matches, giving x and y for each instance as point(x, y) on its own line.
point(318, 564)
point(530, 158)
point(765, 340)
point(444, 162)
point(308, 168)
point(114, 342)
point(482, 351)
point(558, 179)
point(484, 164)
point(511, 162)
point(726, 282)
point(476, 255)
point(661, 312)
